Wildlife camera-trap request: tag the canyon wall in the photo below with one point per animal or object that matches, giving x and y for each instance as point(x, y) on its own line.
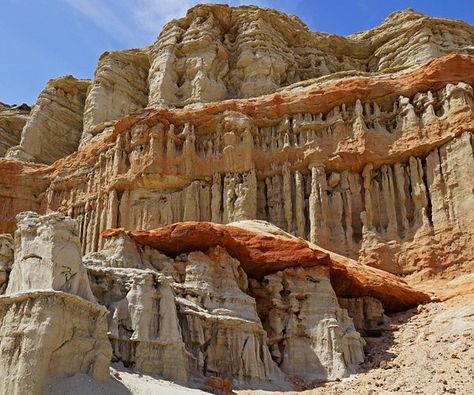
point(222, 310)
point(339, 179)
point(384, 180)
point(227, 202)
point(217, 52)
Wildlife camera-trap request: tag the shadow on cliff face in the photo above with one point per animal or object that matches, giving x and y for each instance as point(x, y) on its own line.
point(83, 384)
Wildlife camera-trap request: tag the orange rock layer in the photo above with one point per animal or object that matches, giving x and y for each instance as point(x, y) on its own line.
point(262, 254)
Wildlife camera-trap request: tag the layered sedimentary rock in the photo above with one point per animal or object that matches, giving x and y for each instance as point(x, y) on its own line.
point(51, 325)
point(376, 168)
point(180, 304)
point(48, 256)
point(217, 52)
point(309, 334)
point(12, 120)
point(46, 335)
point(54, 127)
point(119, 88)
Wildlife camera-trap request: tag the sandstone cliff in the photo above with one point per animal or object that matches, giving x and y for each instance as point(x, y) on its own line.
point(259, 188)
point(218, 52)
point(201, 311)
point(12, 121)
point(384, 180)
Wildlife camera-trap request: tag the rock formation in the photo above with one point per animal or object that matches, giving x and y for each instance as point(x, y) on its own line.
point(51, 325)
point(254, 183)
point(12, 121)
point(374, 166)
point(185, 298)
point(48, 256)
point(54, 127)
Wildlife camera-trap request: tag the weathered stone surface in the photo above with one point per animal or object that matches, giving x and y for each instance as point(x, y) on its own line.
point(203, 312)
point(48, 256)
point(185, 326)
point(119, 88)
point(366, 312)
point(54, 127)
point(158, 168)
point(309, 334)
point(217, 52)
point(143, 324)
point(12, 120)
point(361, 145)
point(262, 252)
point(6, 260)
point(46, 335)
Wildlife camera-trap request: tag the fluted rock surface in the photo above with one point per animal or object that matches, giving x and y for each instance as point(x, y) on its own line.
point(309, 334)
point(261, 253)
point(45, 335)
point(334, 159)
point(217, 52)
point(202, 299)
point(368, 179)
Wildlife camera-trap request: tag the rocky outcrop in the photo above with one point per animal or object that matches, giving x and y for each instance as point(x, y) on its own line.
point(367, 314)
point(310, 336)
point(189, 301)
point(48, 256)
point(54, 127)
point(284, 173)
point(157, 168)
point(119, 88)
point(46, 335)
point(217, 52)
point(12, 120)
point(143, 324)
point(50, 323)
point(263, 253)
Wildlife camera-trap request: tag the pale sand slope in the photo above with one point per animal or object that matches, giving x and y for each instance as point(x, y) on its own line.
point(122, 382)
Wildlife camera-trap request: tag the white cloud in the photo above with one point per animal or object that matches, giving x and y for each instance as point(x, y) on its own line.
point(138, 22)
point(107, 17)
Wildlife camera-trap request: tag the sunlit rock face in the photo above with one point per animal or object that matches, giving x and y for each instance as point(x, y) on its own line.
point(214, 53)
point(199, 306)
point(12, 121)
point(48, 256)
point(51, 325)
point(259, 188)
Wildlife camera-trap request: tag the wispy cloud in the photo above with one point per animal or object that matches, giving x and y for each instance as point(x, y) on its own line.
point(138, 22)
point(106, 16)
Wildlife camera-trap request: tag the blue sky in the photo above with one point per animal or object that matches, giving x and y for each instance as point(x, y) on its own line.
point(43, 39)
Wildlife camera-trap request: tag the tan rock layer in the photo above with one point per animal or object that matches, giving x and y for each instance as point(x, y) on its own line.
point(12, 120)
point(260, 255)
point(156, 168)
point(48, 334)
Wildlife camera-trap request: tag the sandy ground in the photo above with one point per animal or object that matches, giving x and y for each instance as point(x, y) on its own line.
point(428, 350)
point(122, 382)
